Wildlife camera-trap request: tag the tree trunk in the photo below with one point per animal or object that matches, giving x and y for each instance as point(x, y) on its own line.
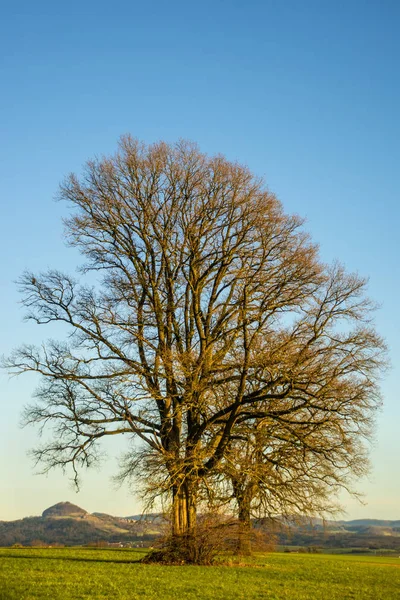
point(244, 541)
point(243, 494)
point(182, 546)
point(184, 508)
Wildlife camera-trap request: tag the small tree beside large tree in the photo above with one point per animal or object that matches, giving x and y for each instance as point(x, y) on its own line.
point(211, 314)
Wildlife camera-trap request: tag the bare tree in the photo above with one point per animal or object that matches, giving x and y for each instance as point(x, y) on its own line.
point(282, 472)
point(211, 311)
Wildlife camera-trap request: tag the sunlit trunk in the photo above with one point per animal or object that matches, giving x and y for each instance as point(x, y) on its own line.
point(184, 508)
point(244, 537)
point(243, 494)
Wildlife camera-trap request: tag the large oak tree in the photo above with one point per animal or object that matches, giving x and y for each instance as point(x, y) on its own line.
point(211, 313)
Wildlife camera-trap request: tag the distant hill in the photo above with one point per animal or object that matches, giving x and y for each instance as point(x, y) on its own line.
point(64, 509)
point(361, 534)
point(372, 523)
point(68, 524)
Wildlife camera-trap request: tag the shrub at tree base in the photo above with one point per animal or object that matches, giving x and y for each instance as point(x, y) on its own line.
point(201, 546)
point(213, 537)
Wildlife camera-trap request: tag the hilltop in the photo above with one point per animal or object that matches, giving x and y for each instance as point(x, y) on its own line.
point(64, 509)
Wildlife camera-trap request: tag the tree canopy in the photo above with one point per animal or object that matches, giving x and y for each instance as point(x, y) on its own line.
point(212, 316)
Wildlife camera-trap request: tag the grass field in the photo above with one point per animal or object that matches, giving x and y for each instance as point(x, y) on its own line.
point(79, 573)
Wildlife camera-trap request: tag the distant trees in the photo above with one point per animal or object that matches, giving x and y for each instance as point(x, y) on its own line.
point(213, 334)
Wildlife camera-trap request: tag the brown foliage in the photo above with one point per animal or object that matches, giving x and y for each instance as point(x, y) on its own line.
point(211, 316)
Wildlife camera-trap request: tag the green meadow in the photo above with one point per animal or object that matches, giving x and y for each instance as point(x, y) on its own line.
point(80, 573)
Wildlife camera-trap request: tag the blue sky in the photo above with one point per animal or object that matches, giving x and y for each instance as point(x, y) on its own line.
point(305, 93)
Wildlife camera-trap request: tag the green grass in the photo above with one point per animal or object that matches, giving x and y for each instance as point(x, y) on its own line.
point(79, 573)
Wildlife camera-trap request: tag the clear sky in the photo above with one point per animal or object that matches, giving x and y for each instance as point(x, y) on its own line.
point(307, 94)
